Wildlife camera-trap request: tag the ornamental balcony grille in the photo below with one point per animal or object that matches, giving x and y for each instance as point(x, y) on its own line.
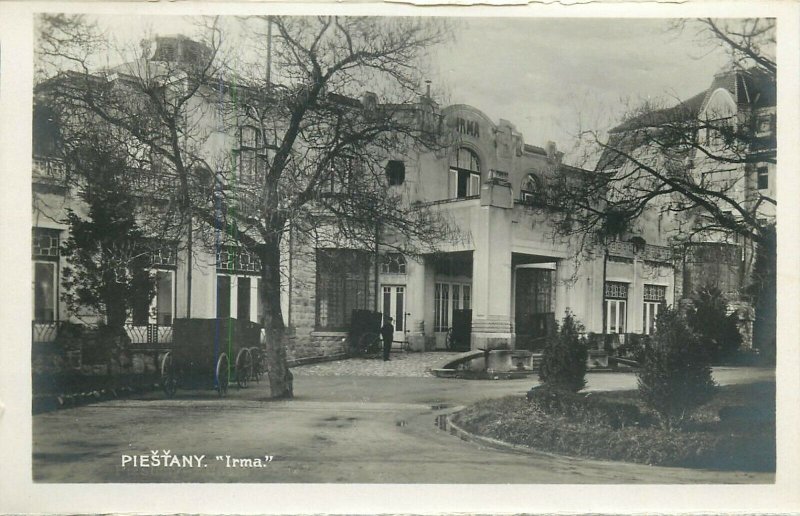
point(237, 259)
point(655, 293)
point(615, 290)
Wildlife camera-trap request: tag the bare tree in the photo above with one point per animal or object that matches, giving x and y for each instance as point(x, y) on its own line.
point(690, 165)
point(315, 152)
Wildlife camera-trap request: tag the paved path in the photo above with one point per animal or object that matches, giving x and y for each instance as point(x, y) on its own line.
point(340, 428)
point(408, 365)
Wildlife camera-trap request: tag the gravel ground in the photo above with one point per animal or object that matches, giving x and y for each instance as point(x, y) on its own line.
point(406, 365)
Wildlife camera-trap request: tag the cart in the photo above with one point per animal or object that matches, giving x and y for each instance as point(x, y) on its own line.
point(210, 354)
point(364, 334)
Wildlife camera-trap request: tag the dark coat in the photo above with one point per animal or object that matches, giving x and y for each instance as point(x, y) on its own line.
point(387, 331)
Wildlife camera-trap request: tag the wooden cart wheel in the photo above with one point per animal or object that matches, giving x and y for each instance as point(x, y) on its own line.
point(169, 375)
point(370, 343)
point(244, 367)
point(258, 366)
point(221, 375)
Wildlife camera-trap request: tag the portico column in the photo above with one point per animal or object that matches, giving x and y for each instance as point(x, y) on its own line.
point(492, 274)
point(415, 275)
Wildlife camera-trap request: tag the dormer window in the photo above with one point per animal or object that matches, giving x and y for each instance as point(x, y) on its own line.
point(465, 174)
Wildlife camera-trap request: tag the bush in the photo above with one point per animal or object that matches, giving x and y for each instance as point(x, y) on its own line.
point(563, 365)
point(586, 408)
point(634, 346)
point(675, 374)
point(718, 332)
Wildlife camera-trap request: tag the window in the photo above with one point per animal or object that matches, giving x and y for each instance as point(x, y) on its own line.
point(393, 263)
point(340, 176)
point(45, 243)
point(163, 300)
point(762, 178)
point(250, 162)
point(223, 296)
point(465, 174)
point(44, 251)
point(249, 137)
point(531, 190)
point(395, 172)
point(342, 286)
point(235, 296)
point(44, 291)
point(764, 125)
point(243, 298)
point(654, 297)
point(449, 297)
point(616, 295)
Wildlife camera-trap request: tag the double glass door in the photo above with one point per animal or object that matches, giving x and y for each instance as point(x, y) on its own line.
point(394, 305)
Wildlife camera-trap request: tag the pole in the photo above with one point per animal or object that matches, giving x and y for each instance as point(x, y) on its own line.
point(269, 53)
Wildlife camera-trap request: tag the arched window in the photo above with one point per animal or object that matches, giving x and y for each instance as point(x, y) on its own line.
point(531, 189)
point(465, 174)
point(393, 263)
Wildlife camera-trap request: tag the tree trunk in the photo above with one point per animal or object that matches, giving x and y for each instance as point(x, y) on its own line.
point(280, 377)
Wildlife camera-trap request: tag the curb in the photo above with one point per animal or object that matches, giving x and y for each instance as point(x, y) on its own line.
point(464, 435)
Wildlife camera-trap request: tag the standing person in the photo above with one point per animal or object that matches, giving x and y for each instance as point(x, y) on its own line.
point(387, 332)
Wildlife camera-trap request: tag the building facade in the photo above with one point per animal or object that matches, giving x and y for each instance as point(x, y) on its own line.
point(504, 279)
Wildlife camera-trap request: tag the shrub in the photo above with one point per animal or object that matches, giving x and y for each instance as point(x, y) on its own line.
point(563, 365)
point(675, 375)
point(717, 331)
point(634, 346)
point(586, 408)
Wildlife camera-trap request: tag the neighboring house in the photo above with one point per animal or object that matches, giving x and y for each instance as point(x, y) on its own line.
point(732, 152)
point(506, 278)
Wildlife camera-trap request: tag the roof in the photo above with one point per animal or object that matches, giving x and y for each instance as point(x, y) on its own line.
point(753, 88)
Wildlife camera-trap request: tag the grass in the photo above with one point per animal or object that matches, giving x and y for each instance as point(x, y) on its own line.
point(734, 431)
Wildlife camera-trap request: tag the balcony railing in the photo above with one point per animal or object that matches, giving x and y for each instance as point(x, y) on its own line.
point(447, 201)
point(45, 332)
point(157, 184)
point(654, 253)
point(149, 334)
point(621, 249)
point(49, 170)
point(657, 253)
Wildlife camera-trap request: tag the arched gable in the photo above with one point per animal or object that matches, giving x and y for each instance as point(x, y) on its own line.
point(720, 105)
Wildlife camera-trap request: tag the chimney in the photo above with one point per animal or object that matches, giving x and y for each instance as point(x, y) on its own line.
point(369, 101)
point(551, 150)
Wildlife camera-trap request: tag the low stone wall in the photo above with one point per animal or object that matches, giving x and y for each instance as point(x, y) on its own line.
point(316, 346)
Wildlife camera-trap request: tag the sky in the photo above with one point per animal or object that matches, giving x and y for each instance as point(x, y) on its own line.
point(547, 76)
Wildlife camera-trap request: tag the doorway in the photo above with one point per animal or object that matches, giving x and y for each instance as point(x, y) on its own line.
point(394, 305)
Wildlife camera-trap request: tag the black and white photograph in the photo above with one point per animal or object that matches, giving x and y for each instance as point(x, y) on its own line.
point(335, 247)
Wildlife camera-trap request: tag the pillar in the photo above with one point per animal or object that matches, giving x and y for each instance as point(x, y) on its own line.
point(416, 303)
point(492, 270)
